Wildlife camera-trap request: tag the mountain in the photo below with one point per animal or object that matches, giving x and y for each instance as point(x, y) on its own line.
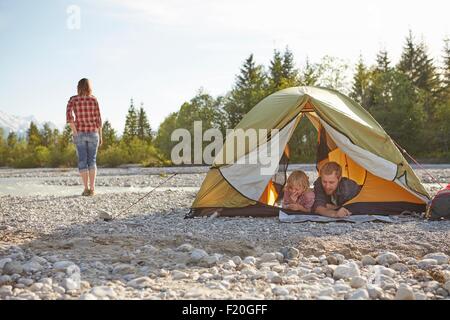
point(20, 125)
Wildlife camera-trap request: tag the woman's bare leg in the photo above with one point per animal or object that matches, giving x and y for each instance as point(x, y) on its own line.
point(84, 177)
point(92, 174)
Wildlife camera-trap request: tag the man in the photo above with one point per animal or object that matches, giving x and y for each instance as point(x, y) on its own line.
point(332, 191)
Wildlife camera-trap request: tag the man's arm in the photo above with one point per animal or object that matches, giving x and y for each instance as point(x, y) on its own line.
point(327, 212)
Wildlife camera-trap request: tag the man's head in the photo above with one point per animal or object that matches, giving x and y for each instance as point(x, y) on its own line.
point(330, 174)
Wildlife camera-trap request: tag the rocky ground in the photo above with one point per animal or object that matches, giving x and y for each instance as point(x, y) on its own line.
point(57, 247)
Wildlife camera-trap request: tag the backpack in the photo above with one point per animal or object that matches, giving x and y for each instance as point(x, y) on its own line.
point(439, 207)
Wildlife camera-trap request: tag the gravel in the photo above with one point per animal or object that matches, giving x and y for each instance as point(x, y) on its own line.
point(55, 247)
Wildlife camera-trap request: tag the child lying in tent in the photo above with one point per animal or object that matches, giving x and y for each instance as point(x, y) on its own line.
point(297, 193)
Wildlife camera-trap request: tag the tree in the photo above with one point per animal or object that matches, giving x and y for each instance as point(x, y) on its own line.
point(248, 90)
point(289, 72)
point(47, 135)
point(131, 124)
point(445, 72)
point(276, 72)
point(418, 66)
point(163, 138)
point(109, 135)
point(309, 74)
point(34, 137)
point(332, 74)
point(360, 83)
point(383, 62)
point(282, 72)
point(143, 127)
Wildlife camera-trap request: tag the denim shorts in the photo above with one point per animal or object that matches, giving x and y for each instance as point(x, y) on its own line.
point(87, 146)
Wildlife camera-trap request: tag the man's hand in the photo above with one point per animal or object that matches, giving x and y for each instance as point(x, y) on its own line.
point(100, 141)
point(342, 213)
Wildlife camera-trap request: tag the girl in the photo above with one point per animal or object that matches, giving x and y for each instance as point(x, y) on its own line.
point(297, 194)
point(87, 132)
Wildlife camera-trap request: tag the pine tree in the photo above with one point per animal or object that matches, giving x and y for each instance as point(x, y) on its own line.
point(360, 83)
point(109, 135)
point(66, 137)
point(276, 72)
point(34, 137)
point(383, 62)
point(131, 124)
point(12, 139)
point(289, 72)
point(418, 66)
point(445, 96)
point(248, 90)
point(144, 130)
point(309, 74)
point(47, 135)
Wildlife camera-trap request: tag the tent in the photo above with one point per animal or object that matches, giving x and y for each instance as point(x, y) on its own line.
point(347, 134)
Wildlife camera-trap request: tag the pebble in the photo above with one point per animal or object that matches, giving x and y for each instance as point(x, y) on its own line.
point(440, 257)
point(12, 267)
point(387, 258)
point(198, 254)
point(360, 294)
point(141, 282)
point(368, 261)
point(346, 271)
point(426, 263)
point(358, 282)
point(404, 292)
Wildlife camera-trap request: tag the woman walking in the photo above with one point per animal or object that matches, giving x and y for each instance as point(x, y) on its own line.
point(87, 132)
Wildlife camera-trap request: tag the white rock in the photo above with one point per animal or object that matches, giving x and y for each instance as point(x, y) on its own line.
point(179, 275)
point(198, 254)
point(339, 287)
point(360, 294)
point(124, 268)
point(375, 292)
point(59, 290)
point(420, 296)
point(404, 292)
point(62, 265)
point(268, 257)
point(141, 282)
point(326, 292)
point(185, 248)
point(4, 261)
point(25, 281)
point(368, 261)
point(229, 265)
point(387, 271)
point(274, 277)
point(88, 296)
point(358, 282)
point(194, 293)
point(237, 260)
point(250, 260)
point(6, 291)
point(447, 286)
point(36, 287)
point(387, 258)
point(32, 267)
point(280, 291)
point(103, 291)
point(71, 284)
point(39, 260)
point(346, 271)
point(440, 257)
point(12, 267)
point(426, 263)
point(5, 279)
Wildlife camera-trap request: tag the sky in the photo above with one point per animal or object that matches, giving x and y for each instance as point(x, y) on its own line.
point(161, 52)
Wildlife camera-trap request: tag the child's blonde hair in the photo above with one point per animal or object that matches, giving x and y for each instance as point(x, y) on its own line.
point(299, 179)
